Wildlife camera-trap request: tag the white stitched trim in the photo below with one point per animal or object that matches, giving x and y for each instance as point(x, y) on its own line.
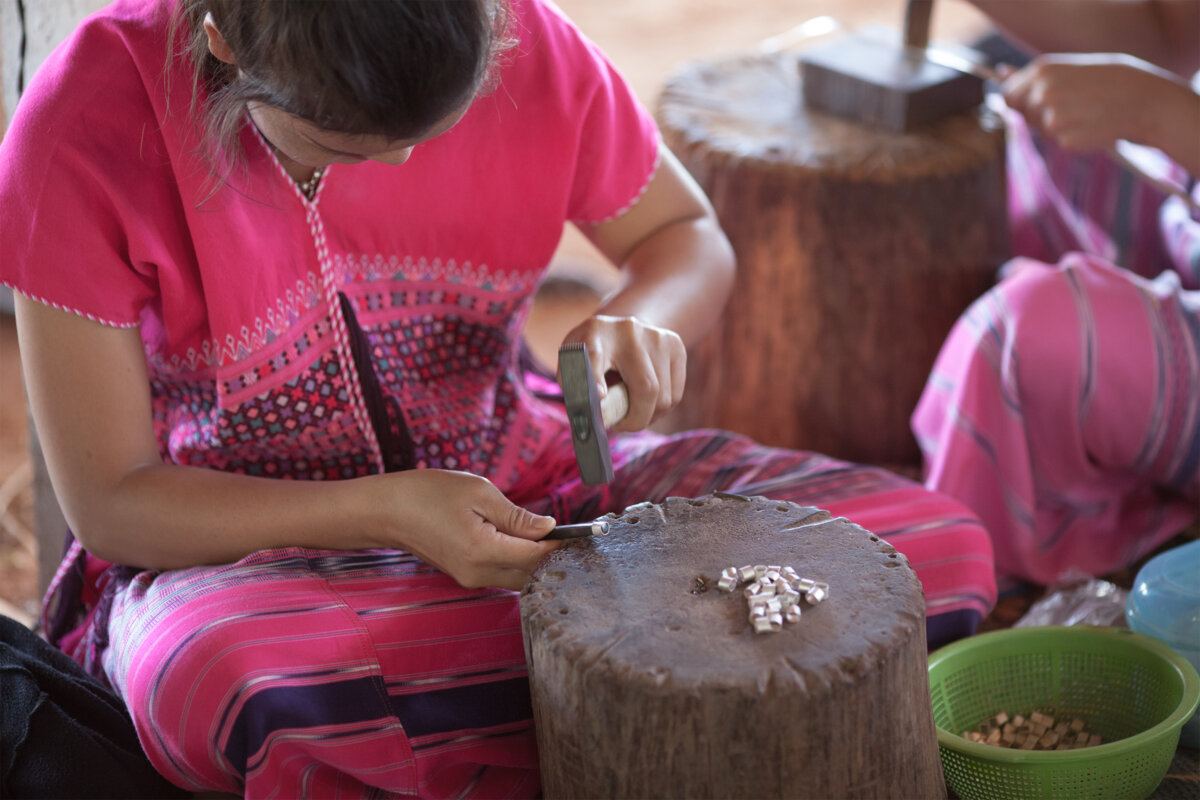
point(343, 348)
point(306, 294)
point(110, 323)
point(634, 201)
point(279, 165)
point(365, 267)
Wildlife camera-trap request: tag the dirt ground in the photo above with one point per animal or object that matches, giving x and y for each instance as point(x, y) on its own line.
point(647, 40)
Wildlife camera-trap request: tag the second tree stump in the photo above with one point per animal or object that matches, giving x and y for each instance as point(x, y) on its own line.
point(857, 250)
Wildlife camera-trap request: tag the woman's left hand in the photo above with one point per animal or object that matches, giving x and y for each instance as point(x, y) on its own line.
point(650, 361)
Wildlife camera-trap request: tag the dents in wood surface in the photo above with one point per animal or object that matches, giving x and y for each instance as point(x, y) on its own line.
point(800, 676)
point(849, 668)
point(596, 654)
point(660, 674)
point(632, 514)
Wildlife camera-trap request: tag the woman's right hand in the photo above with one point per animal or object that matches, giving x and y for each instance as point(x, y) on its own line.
point(1086, 102)
point(463, 525)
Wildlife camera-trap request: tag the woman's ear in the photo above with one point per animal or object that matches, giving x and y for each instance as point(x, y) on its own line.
point(216, 42)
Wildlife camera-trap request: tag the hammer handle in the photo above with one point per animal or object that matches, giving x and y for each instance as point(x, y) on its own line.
point(918, 15)
point(615, 405)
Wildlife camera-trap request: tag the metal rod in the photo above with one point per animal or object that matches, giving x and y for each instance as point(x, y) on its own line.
point(579, 529)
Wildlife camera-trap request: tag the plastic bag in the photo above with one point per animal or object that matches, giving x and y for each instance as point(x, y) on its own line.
point(1078, 600)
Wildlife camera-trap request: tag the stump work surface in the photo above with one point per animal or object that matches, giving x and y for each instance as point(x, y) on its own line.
point(648, 681)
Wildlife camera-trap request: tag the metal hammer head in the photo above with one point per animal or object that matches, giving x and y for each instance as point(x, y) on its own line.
point(582, 399)
point(888, 85)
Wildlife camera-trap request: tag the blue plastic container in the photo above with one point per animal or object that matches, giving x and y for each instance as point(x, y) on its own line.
point(1165, 603)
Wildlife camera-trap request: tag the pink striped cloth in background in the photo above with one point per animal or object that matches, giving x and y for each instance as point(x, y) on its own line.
point(1064, 408)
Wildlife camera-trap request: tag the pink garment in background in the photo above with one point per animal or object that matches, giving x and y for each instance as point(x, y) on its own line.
point(1064, 408)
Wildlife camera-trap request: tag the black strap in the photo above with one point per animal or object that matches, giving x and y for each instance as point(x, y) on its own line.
point(395, 442)
point(62, 732)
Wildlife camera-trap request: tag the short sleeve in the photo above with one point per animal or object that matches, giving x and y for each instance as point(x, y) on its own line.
point(618, 138)
point(70, 183)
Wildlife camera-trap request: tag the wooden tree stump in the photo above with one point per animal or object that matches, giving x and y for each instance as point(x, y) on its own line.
point(857, 250)
point(648, 681)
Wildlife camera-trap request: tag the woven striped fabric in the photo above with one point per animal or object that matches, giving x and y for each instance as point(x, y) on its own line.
point(299, 673)
point(1063, 407)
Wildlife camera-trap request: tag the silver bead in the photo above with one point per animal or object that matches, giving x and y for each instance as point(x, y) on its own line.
point(818, 593)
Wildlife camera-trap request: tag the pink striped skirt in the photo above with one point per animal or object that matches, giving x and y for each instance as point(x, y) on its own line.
point(1064, 408)
point(352, 674)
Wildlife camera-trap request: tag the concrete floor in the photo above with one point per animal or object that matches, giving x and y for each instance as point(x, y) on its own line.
point(647, 40)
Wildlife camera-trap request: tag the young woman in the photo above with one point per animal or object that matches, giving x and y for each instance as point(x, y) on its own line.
point(1063, 408)
point(261, 241)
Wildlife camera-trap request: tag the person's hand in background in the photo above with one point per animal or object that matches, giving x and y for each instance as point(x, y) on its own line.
point(1086, 102)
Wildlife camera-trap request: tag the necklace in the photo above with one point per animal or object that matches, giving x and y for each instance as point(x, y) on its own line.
point(309, 187)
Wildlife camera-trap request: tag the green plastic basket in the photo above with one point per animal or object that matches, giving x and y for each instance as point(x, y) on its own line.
point(1131, 689)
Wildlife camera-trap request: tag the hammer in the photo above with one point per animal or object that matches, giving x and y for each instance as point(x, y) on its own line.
point(898, 87)
point(590, 417)
point(891, 86)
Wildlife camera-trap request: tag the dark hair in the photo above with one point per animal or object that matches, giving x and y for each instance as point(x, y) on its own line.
point(392, 68)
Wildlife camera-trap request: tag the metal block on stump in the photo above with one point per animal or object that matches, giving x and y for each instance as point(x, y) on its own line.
point(885, 86)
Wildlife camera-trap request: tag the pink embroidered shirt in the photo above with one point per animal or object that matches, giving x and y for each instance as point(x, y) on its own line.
point(105, 189)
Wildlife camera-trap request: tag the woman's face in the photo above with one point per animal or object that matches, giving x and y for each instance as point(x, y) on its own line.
point(300, 142)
